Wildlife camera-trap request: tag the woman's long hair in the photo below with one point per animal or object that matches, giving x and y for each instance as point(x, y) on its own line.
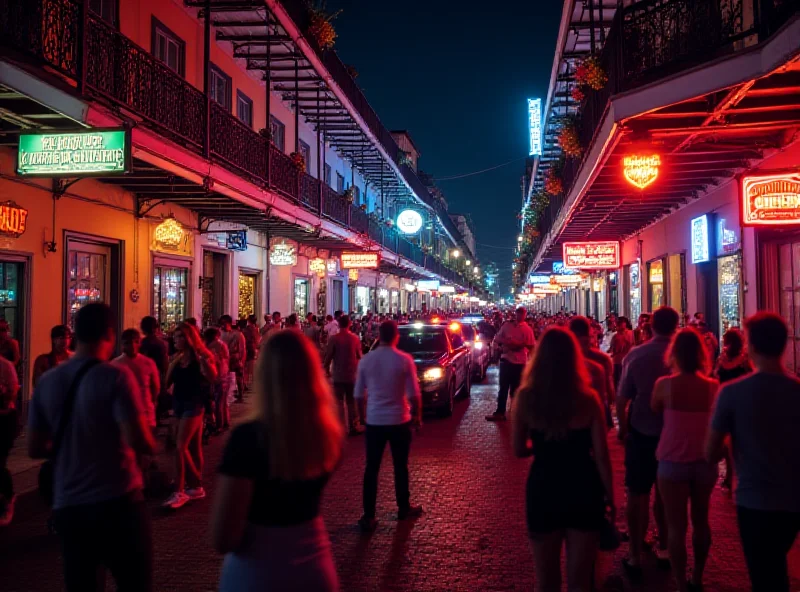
point(555, 385)
point(294, 401)
point(687, 353)
point(194, 342)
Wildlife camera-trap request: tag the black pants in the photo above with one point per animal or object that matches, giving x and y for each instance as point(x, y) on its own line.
point(8, 432)
point(399, 438)
point(767, 537)
point(344, 393)
point(510, 377)
point(115, 534)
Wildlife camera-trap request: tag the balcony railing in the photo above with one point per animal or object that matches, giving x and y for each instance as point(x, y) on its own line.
point(652, 39)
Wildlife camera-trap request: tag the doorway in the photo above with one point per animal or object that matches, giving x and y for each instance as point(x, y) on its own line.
point(215, 267)
point(14, 288)
point(248, 293)
point(170, 295)
point(301, 294)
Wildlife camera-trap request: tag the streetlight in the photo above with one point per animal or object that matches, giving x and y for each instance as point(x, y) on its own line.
point(456, 253)
point(468, 262)
point(519, 238)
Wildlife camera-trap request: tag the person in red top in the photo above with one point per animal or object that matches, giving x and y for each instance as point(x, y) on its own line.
point(344, 351)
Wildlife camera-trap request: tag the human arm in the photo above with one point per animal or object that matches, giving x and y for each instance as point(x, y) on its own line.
point(520, 435)
point(208, 367)
point(176, 359)
point(627, 390)
point(39, 368)
point(40, 434)
point(326, 361)
point(721, 425)
point(659, 394)
point(155, 382)
point(602, 458)
point(234, 490)
point(413, 393)
point(360, 393)
point(130, 416)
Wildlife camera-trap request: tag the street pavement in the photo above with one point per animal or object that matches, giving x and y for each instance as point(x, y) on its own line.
point(471, 537)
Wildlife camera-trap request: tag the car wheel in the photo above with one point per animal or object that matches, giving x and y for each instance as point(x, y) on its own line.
point(484, 370)
point(467, 389)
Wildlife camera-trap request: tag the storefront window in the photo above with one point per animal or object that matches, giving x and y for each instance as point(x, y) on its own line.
point(301, 297)
point(169, 295)
point(656, 283)
point(10, 280)
point(613, 294)
point(362, 300)
point(322, 298)
point(635, 291)
point(247, 295)
point(87, 279)
point(677, 282)
point(730, 283)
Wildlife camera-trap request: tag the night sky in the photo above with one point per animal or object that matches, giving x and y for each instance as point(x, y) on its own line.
point(457, 74)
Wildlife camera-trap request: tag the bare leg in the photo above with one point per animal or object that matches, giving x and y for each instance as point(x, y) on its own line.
point(637, 514)
point(581, 555)
point(701, 529)
point(195, 452)
point(547, 561)
point(675, 499)
point(661, 522)
point(181, 451)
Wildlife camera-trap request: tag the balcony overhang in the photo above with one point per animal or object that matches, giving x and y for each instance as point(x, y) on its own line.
point(707, 124)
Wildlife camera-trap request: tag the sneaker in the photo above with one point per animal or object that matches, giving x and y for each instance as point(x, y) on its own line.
point(367, 525)
point(176, 500)
point(195, 493)
point(7, 511)
point(496, 417)
point(410, 512)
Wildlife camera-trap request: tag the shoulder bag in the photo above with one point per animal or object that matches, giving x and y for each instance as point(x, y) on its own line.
point(47, 471)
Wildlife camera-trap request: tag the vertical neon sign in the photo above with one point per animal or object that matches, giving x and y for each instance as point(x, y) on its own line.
point(535, 126)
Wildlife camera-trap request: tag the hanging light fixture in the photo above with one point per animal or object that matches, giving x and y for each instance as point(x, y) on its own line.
point(169, 233)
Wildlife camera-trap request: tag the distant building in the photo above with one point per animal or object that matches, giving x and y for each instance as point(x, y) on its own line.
point(464, 224)
point(406, 144)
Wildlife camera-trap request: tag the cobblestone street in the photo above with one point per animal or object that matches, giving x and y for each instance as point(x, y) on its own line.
point(471, 537)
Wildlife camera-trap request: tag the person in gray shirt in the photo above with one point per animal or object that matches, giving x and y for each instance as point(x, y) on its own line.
point(761, 414)
point(99, 508)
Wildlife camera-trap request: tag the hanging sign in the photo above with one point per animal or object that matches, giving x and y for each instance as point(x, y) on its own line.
point(447, 289)
point(74, 154)
point(641, 171)
point(352, 275)
point(13, 219)
point(317, 266)
point(535, 126)
point(282, 254)
point(236, 240)
point(560, 268)
point(538, 279)
point(771, 200)
point(428, 285)
point(333, 266)
point(657, 272)
point(700, 250)
point(546, 289)
point(361, 260)
point(168, 234)
point(566, 280)
point(592, 255)
point(409, 222)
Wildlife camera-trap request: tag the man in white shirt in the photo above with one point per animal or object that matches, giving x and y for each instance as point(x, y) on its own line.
point(516, 341)
point(332, 325)
point(387, 389)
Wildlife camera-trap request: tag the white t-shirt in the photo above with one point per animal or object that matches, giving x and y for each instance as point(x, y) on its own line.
point(146, 374)
point(332, 328)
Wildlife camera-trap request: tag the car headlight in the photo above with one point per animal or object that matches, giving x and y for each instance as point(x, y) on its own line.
point(478, 345)
point(433, 374)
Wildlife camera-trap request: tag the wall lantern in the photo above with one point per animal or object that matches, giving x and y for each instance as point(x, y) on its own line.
point(641, 171)
point(169, 233)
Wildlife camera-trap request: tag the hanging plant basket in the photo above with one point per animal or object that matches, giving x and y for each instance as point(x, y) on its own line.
point(322, 30)
point(591, 74)
point(553, 184)
point(577, 94)
point(569, 141)
point(363, 207)
point(298, 161)
point(348, 195)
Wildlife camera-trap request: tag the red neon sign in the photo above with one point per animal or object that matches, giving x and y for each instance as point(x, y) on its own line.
point(771, 200)
point(360, 260)
point(592, 255)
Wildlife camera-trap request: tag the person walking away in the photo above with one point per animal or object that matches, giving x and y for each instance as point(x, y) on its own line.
point(237, 350)
point(155, 347)
point(266, 514)
point(621, 345)
point(344, 351)
point(638, 336)
point(59, 352)
point(760, 412)
point(559, 420)
point(516, 341)
point(292, 323)
point(251, 340)
point(147, 379)
point(580, 328)
point(9, 386)
point(86, 416)
point(272, 323)
point(332, 323)
point(640, 429)
point(192, 374)
point(222, 411)
point(685, 398)
point(311, 331)
point(710, 342)
point(732, 363)
point(387, 391)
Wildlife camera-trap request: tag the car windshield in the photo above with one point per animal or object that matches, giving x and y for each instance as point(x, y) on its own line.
point(468, 332)
point(422, 340)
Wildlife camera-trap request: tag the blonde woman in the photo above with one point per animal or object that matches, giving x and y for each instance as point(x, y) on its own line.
point(192, 374)
point(560, 421)
point(275, 466)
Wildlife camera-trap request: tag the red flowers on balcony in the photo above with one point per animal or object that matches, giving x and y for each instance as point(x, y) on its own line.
point(569, 141)
point(299, 161)
point(590, 73)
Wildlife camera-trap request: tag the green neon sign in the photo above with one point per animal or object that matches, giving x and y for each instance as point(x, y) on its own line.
point(74, 154)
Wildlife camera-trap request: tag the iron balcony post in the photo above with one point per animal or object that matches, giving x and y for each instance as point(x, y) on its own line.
point(268, 101)
point(83, 31)
point(207, 78)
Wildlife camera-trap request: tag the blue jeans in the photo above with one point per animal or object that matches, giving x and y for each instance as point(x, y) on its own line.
point(510, 377)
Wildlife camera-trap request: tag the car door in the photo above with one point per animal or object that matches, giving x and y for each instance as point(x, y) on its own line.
point(460, 356)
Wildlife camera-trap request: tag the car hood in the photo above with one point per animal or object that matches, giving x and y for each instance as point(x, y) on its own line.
point(424, 359)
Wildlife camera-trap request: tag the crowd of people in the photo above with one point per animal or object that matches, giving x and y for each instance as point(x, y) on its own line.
point(569, 382)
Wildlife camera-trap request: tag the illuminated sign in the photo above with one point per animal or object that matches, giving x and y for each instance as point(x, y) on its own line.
point(409, 222)
point(352, 275)
point(538, 279)
point(428, 285)
point(560, 268)
point(236, 240)
point(13, 219)
point(282, 254)
point(447, 289)
point(71, 154)
point(771, 200)
point(656, 272)
point(169, 233)
point(360, 260)
point(566, 280)
point(641, 171)
point(317, 266)
point(333, 266)
point(597, 285)
point(410, 288)
point(592, 255)
point(535, 126)
point(546, 289)
point(700, 250)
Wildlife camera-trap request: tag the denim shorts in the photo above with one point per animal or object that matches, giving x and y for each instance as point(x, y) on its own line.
point(698, 471)
point(187, 409)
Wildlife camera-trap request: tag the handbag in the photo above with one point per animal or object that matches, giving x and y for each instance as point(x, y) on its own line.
point(47, 471)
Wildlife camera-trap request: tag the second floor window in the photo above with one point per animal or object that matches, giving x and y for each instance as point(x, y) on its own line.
point(278, 132)
point(327, 174)
point(221, 87)
point(305, 150)
point(169, 48)
point(244, 108)
point(106, 10)
point(339, 183)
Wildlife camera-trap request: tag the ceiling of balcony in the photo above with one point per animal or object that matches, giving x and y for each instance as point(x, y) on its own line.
point(702, 142)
